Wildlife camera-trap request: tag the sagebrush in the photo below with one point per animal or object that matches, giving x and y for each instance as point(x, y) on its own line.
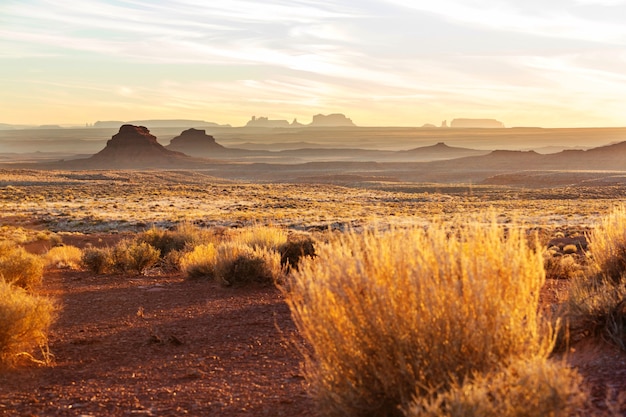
point(389, 314)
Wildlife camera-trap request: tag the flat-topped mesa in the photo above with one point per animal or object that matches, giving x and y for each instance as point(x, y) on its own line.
point(336, 119)
point(196, 141)
point(477, 123)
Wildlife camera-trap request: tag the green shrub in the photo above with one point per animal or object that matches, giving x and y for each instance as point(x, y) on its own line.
point(24, 323)
point(98, 260)
point(389, 313)
point(129, 256)
point(19, 267)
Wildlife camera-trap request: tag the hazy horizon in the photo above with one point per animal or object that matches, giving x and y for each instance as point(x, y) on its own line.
point(380, 62)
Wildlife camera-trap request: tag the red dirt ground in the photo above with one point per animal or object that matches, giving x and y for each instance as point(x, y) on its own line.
point(161, 345)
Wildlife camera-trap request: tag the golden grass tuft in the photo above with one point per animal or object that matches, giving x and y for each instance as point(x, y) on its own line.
point(389, 313)
point(19, 267)
point(200, 262)
point(596, 304)
point(239, 265)
point(607, 244)
point(264, 237)
point(24, 323)
point(534, 387)
point(66, 256)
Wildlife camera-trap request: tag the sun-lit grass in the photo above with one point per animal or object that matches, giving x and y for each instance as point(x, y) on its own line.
point(19, 267)
point(597, 299)
point(66, 256)
point(533, 387)
point(237, 264)
point(200, 262)
point(389, 314)
point(24, 323)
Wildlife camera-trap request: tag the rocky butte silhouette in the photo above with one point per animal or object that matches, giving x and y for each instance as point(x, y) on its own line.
point(336, 119)
point(477, 123)
point(134, 147)
point(194, 142)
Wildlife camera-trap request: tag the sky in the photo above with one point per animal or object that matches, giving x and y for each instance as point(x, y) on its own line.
point(557, 63)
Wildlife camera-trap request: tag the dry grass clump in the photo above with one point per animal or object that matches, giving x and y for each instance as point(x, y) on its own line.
point(248, 256)
point(239, 265)
point(19, 267)
point(597, 300)
point(132, 256)
point(295, 248)
point(558, 266)
point(24, 323)
point(534, 387)
point(185, 235)
point(200, 262)
point(389, 314)
point(66, 256)
point(607, 244)
point(97, 260)
point(265, 237)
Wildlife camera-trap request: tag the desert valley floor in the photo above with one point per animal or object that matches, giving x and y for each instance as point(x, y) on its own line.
point(160, 344)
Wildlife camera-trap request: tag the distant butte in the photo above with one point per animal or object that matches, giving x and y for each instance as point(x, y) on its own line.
point(134, 147)
point(194, 142)
point(477, 123)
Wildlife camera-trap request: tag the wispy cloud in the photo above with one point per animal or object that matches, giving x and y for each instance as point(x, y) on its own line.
point(283, 56)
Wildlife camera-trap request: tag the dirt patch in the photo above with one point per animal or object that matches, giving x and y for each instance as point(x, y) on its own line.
point(162, 346)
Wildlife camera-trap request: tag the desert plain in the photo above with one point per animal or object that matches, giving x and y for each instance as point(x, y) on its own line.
point(159, 343)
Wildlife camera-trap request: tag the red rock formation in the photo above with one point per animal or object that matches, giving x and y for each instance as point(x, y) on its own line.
point(195, 142)
point(135, 147)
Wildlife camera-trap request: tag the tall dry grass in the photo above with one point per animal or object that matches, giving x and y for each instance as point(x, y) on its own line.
point(389, 314)
point(24, 323)
point(596, 303)
point(65, 256)
point(607, 244)
point(19, 267)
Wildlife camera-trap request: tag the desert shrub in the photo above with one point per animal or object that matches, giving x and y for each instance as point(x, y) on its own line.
point(559, 266)
point(200, 262)
point(607, 244)
point(129, 256)
point(97, 260)
point(19, 267)
point(296, 247)
point(534, 387)
point(239, 265)
point(596, 304)
point(389, 313)
point(185, 235)
point(24, 323)
point(64, 257)
point(264, 237)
